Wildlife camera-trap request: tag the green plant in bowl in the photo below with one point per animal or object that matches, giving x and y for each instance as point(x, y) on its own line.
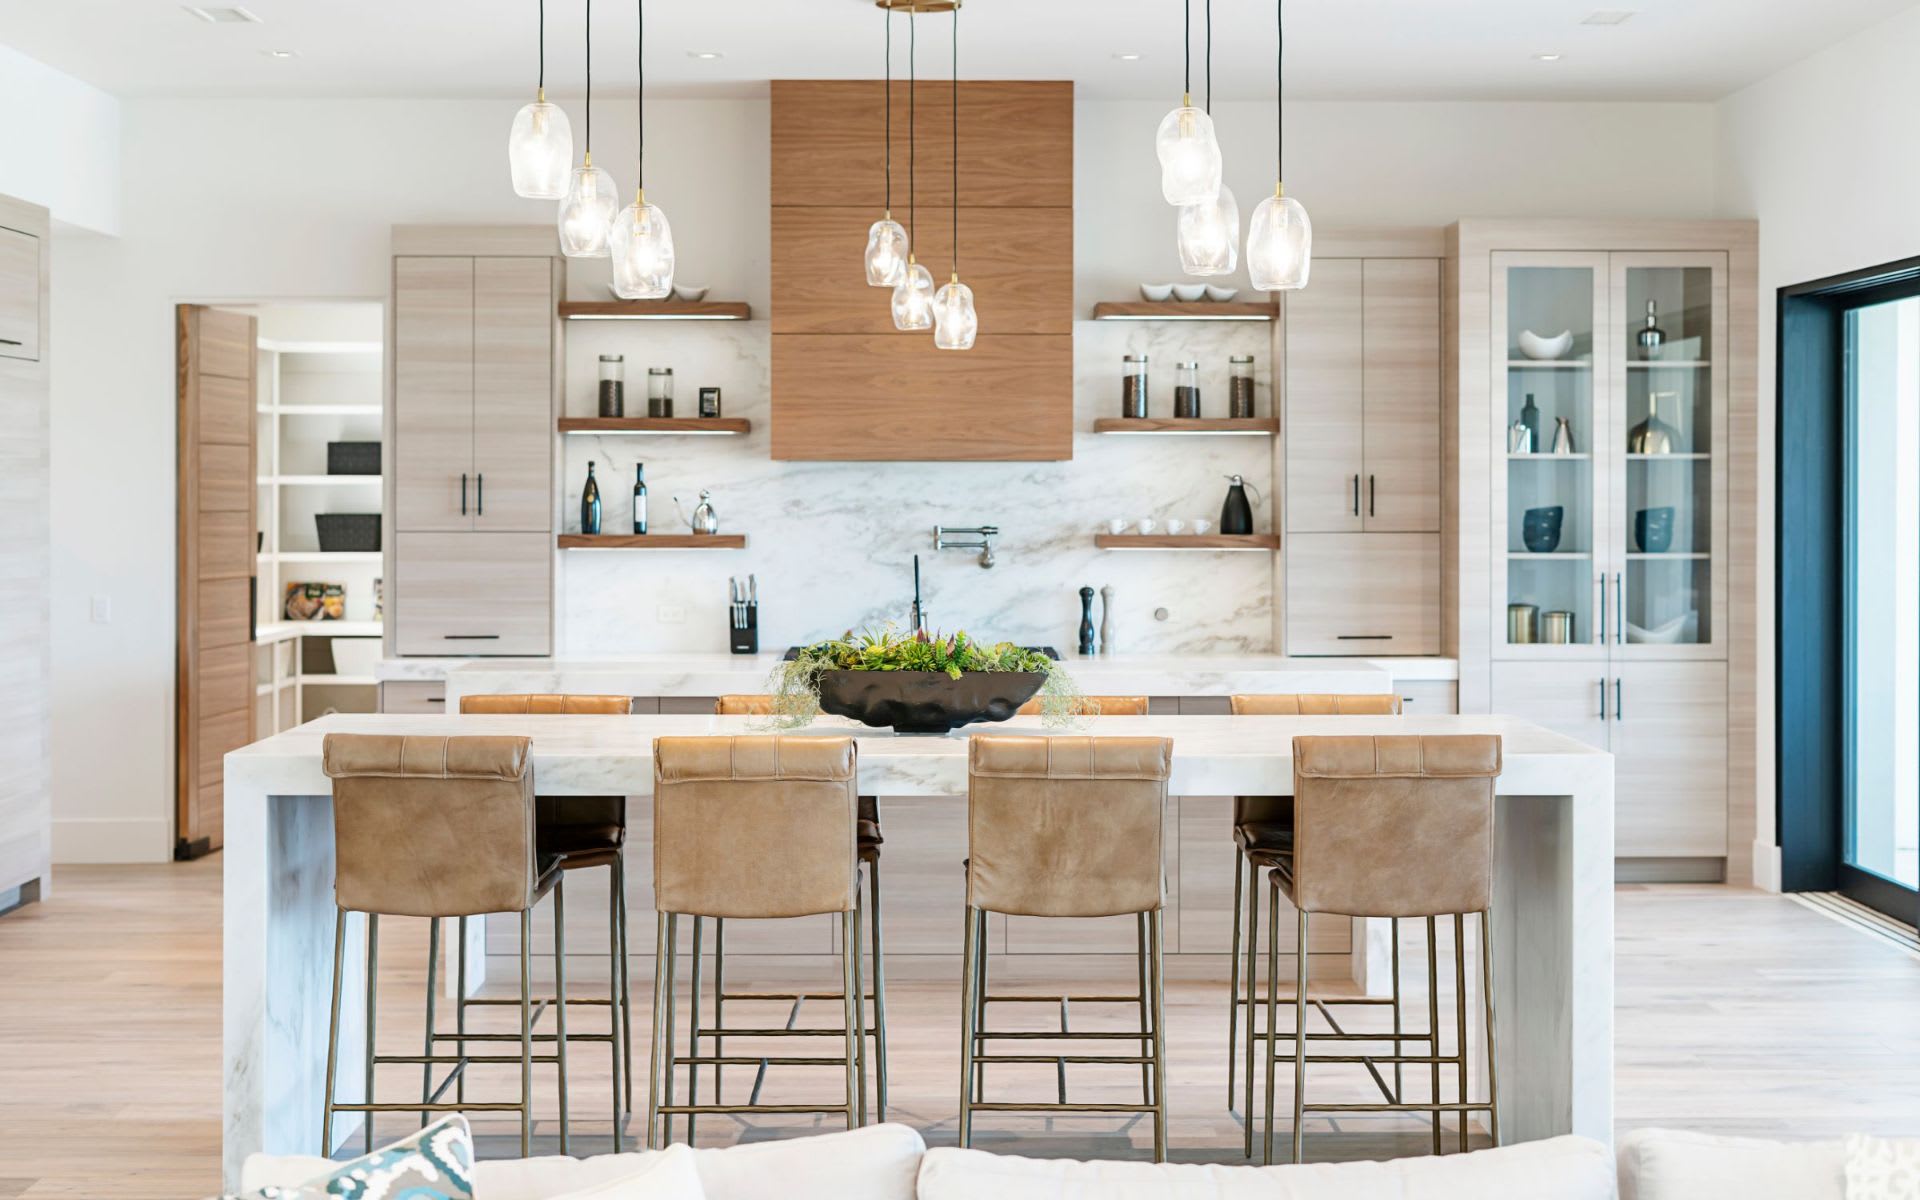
point(795, 684)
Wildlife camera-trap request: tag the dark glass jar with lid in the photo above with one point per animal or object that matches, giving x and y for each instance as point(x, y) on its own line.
point(613, 385)
point(1133, 386)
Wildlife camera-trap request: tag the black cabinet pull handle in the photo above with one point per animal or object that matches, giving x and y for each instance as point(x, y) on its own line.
point(10, 342)
point(1619, 710)
point(1356, 495)
point(1603, 698)
point(480, 493)
point(1370, 495)
point(471, 637)
point(436, 699)
point(463, 493)
point(1363, 637)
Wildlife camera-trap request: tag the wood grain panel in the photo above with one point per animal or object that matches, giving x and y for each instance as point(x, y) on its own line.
point(1401, 317)
point(224, 478)
point(1670, 760)
point(473, 593)
point(896, 398)
point(1016, 144)
point(1325, 398)
point(225, 676)
point(19, 294)
point(226, 410)
point(226, 545)
point(25, 565)
point(432, 392)
point(221, 610)
point(513, 394)
point(1366, 593)
point(1018, 261)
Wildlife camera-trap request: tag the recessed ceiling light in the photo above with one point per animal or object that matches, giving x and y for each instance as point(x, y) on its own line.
point(281, 53)
point(1546, 58)
point(1128, 57)
point(222, 16)
point(1608, 16)
point(705, 55)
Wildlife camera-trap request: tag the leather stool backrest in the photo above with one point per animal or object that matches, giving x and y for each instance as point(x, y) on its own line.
point(743, 705)
point(1066, 826)
point(1095, 706)
point(1330, 704)
point(753, 827)
point(431, 826)
point(548, 705)
point(1394, 826)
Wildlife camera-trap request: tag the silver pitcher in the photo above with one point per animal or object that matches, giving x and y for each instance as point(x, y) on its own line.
point(704, 520)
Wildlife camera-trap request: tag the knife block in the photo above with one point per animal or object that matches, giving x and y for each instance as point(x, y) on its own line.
point(745, 638)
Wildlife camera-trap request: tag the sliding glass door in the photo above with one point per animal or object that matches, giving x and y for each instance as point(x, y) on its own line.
point(1880, 835)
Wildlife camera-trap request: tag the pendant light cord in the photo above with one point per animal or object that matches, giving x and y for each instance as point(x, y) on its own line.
point(588, 105)
point(1209, 57)
point(913, 88)
point(956, 141)
point(1279, 91)
point(543, 45)
point(640, 101)
point(1186, 61)
point(889, 107)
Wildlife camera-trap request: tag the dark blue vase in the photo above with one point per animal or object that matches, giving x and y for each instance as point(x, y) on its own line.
point(1540, 531)
point(1653, 529)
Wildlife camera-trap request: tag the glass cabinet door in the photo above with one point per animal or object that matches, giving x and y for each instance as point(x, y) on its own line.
point(1549, 509)
point(1669, 438)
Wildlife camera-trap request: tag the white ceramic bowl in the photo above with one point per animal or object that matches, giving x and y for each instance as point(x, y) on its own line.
point(1189, 292)
point(1221, 295)
point(1545, 348)
point(1156, 292)
point(689, 293)
point(1683, 628)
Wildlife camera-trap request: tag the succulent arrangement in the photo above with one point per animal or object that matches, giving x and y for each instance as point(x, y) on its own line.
point(795, 684)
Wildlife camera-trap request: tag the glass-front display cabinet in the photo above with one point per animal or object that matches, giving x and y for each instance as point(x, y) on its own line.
point(1609, 498)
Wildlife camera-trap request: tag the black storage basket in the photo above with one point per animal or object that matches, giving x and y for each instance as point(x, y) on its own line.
point(342, 533)
point(353, 458)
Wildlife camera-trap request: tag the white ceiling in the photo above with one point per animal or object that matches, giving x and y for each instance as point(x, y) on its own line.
point(1338, 49)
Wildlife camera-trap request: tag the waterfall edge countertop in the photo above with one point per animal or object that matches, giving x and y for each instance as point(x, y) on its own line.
point(686, 675)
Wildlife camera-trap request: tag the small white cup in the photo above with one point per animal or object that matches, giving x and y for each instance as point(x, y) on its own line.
point(1201, 525)
point(1176, 526)
point(1144, 525)
point(1117, 525)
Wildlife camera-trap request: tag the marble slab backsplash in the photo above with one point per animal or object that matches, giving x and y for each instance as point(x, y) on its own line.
point(833, 543)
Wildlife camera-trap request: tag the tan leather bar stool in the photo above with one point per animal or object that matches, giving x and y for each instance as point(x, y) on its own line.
point(1263, 838)
point(1094, 706)
point(754, 828)
point(581, 832)
point(753, 705)
point(437, 827)
point(1065, 827)
point(1392, 826)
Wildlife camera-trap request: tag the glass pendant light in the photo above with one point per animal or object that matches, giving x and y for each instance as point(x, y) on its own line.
point(955, 324)
point(1280, 237)
point(1189, 153)
point(586, 212)
point(913, 296)
point(540, 144)
point(1208, 233)
point(641, 241)
point(886, 257)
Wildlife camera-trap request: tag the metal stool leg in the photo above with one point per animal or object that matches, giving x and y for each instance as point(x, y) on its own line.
point(1399, 1094)
point(618, 1050)
point(1433, 1026)
point(1157, 946)
point(333, 1031)
point(1299, 1040)
point(879, 989)
point(1233, 980)
point(625, 985)
point(1250, 974)
point(1460, 1012)
point(433, 979)
point(560, 998)
point(1486, 995)
point(850, 1005)
point(373, 972)
point(657, 1059)
point(666, 1083)
point(460, 1019)
point(526, 1033)
point(979, 919)
point(969, 1013)
point(1273, 1011)
point(1147, 1024)
point(856, 949)
point(693, 1029)
point(719, 999)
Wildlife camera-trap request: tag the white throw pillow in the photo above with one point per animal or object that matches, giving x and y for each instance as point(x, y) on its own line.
point(668, 1175)
point(1564, 1168)
point(1670, 1164)
point(1882, 1168)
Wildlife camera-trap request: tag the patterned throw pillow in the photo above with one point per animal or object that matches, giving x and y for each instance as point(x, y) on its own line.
point(1882, 1168)
point(433, 1164)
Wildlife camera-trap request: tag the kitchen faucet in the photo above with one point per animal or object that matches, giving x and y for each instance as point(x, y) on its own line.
point(976, 537)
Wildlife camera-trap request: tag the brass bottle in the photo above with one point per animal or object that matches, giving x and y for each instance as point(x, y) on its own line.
point(1653, 436)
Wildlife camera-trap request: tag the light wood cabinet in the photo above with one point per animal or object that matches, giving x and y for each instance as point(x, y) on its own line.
point(432, 392)
point(1324, 400)
point(1669, 729)
point(1569, 698)
point(413, 696)
point(1363, 593)
point(473, 593)
point(19, 294)
point(1428, 697)
point(26, 815)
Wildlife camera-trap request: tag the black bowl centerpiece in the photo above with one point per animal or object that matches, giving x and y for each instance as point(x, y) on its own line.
point(917, 683)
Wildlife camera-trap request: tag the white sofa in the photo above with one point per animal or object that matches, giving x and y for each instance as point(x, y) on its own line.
point(891, 1162)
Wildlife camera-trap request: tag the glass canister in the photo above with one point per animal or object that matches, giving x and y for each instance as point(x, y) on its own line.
point(660, 391)
point(613, 387)
point(1133, 386)
point(1186, 390)
point(1240, 385)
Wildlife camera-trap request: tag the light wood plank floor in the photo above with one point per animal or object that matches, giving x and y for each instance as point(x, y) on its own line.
point(1738, 1012)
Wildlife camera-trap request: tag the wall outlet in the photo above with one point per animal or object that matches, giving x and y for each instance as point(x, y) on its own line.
point(103, 610)
point(670, 614)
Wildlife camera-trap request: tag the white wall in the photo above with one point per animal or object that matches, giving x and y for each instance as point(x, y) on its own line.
point(60, 144)
point(292, 200)
point(1820, 153)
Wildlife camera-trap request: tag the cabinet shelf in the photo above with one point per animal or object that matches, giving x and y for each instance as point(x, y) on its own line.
point(656, 426)
point(1670, 555)
point(1183, 310)
point(1580, 457)
point(320, 410)
point(655, 310)
point(1549, 364)
point(1187, 541)
point(653, 541)
point(1677, 364)
point(1553, 556)
point(319, 480)
point(320, 556)
point(1203, 426)
point(1687, 456)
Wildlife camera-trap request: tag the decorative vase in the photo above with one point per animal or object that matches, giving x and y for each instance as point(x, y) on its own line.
point(926, 701)
point(1654, 436)
point(1653, 529)
point(1540, 529)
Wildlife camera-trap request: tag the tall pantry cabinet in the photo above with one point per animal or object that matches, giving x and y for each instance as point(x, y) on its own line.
point(1605, 569)
point(475, 369)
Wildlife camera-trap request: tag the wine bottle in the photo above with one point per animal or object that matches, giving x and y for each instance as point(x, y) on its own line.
point(590, 505)
point(639, 498)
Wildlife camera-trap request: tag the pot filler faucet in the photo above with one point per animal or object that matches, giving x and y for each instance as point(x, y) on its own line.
point(977, 537)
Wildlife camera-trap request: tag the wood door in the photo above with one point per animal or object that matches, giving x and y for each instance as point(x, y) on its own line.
point(433, 385)
point(1573, 698)
point(1363, 593)
point(26, 818)
point(214, 710)
point(19, 295)
point(513, 320)
point(473, 593)
point(1400, 318)
point(1670, 760)
point(1325, 398)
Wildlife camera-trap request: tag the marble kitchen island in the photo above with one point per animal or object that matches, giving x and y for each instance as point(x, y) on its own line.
point(1553, 916)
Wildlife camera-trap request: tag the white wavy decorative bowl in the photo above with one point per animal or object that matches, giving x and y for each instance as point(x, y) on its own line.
point(1187, 293)
point(1545, 349)
point(689, 293)
point(1156, 292)
point(1221, 295)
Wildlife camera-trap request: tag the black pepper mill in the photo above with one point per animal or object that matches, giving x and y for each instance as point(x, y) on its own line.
point(1086, 620)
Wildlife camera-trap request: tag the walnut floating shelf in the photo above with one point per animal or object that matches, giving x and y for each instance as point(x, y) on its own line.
point(1179, 310)
point(710, 426)
point(1255, 426)
point(1187, 541)
point(653, 541)
point(655, 310)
